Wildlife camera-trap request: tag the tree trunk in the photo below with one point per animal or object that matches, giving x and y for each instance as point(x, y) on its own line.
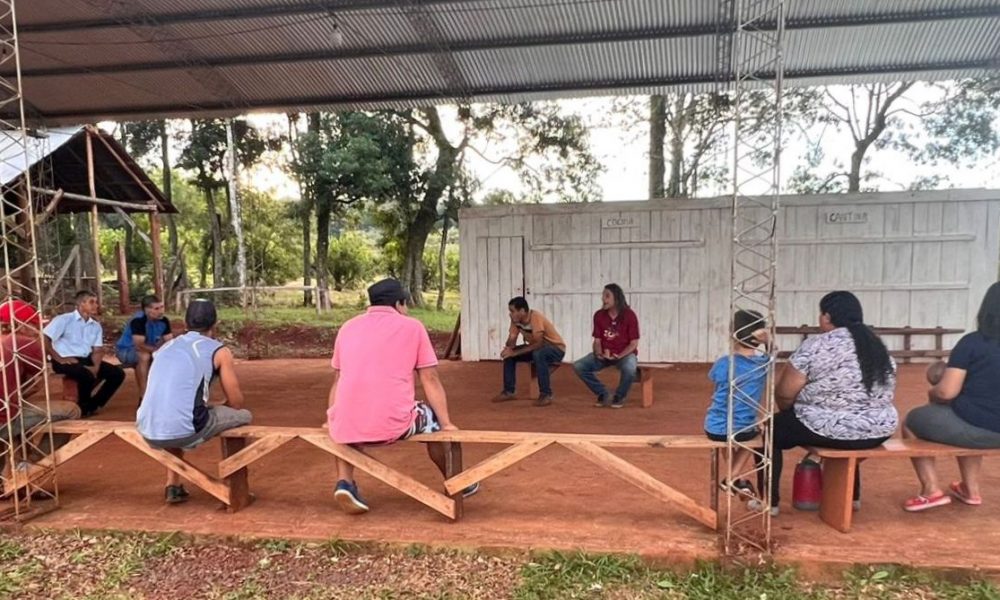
point(423, 223)
point(323, 252)
point(218, 267)
point(657, 134)
point(854, 176)
point(81, 231)
point(205, 254)
point(443, 262)
point(313, 125)
point(168, 190)
point(678, 125)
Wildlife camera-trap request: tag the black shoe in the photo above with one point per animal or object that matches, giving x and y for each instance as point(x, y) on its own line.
point(544, 400)
point(175, 494)
point(603, 400)
point(740, 487)
point(617, 402)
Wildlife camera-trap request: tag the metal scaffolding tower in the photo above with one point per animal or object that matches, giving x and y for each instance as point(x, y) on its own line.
point(751, 61)
point(19, 280)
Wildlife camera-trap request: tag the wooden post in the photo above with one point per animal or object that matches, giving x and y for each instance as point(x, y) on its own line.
point(238, 482)
point(94, 233)
point(453, 466)
point(154, 236)
point(123, 288)
point(907, 344)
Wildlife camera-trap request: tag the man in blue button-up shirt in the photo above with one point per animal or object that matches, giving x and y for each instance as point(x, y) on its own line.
point(74, 341)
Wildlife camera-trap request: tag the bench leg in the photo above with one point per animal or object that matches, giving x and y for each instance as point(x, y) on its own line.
point(646, 379)
point(713, 488)
point(453, 466)
point(238, 482)
point(836, 507)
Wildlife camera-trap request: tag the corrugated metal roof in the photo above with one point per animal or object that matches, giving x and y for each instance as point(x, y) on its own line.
point(85, 60)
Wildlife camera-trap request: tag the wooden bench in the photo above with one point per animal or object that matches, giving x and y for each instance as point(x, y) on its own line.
point(906, 354)
point(245, 445)
point(839, 467)
point(646, 373)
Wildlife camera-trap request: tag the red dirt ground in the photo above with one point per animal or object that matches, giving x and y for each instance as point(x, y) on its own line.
point(551, 500)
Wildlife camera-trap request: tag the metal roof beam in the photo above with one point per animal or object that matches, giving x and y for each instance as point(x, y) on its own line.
point(333, 7)
point(230, 14)
point(431, 96)
point(453, 46)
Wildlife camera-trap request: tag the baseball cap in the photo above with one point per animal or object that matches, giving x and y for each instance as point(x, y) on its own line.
point(200, 315)
point(387, 293)
point(19, 310)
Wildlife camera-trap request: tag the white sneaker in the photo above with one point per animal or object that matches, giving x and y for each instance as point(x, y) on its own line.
point(758, 506)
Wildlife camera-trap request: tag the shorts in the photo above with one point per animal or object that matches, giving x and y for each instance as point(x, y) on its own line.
point(939, 423)
point(128, 357)
point(743, 436)
point(424, 421)
point(220, 418)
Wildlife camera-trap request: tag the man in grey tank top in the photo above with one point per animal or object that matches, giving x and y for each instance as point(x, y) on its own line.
point(175, 414)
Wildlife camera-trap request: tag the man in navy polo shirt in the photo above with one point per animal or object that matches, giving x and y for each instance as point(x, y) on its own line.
point(143, 335)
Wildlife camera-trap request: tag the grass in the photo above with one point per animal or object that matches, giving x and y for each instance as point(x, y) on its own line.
point(36, 565)
point(286, 309)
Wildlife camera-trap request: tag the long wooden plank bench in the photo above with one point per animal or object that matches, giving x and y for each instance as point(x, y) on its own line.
point(907, 333)
point(839, 467)
point(647, 371)
point(244, 446)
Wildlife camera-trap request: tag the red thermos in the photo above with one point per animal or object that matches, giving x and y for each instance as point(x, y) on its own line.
point(807, 487)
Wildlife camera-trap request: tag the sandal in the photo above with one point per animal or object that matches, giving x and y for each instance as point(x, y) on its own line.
point(958, 490)
point(919, 503)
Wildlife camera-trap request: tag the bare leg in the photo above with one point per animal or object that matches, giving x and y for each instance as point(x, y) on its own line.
point(926, 469)
point(741, 463)
point(172, 477)
point(971, 467)
point(142, 372)
point(345, 471)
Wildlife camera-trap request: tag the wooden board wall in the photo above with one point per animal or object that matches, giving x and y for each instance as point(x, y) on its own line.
point(914, 258)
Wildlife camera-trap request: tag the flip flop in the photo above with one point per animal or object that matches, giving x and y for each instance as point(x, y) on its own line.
point(919, 503)
point(958, 491)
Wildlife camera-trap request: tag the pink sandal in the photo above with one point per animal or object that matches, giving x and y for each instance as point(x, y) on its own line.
point(959, 491)
point(919, 503)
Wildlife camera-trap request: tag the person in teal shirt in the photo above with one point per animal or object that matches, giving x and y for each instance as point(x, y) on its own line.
point(143, 334)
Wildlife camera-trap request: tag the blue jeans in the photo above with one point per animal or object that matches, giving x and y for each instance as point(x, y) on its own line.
point(544, 357)
point(588, 367)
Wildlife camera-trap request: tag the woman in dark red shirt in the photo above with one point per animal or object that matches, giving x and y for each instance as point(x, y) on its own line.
point(616, 339)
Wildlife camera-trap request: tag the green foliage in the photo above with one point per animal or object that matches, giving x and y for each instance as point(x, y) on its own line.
point(272, 237)
point(431, 272)
point(353, 260)
point(206, 146)
point(559, 575)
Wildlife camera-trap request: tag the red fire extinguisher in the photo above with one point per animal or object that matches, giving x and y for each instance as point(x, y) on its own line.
point(807, 487)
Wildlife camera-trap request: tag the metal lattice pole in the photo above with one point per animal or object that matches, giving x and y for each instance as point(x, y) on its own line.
point(19, 280)
point(753, 42)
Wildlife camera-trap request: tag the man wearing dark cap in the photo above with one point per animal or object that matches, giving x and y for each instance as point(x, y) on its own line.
point(372, 400)
point(175, 414)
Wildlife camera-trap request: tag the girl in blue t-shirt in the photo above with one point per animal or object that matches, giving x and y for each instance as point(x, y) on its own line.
point(751, 368)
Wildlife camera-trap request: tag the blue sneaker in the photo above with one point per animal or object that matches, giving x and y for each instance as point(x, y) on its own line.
point(472, 490)
point(347, 497)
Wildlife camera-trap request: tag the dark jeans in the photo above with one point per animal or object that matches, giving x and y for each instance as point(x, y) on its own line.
point(111, 375)
point(588, 367)
point(789, 432)
point(544, 357)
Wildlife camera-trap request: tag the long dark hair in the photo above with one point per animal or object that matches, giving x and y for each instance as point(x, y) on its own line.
point(988, 319)
point(844, 310)
point(620, 302)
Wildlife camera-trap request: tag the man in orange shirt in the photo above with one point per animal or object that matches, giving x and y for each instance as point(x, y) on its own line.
point(542, 345)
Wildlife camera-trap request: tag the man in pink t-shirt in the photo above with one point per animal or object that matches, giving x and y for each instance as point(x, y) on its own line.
point(372, 400)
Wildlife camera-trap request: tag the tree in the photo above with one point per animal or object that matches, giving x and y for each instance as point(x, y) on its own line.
point(345, 158)
point(204, 155)
point(549, 150)
point(956, 125)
